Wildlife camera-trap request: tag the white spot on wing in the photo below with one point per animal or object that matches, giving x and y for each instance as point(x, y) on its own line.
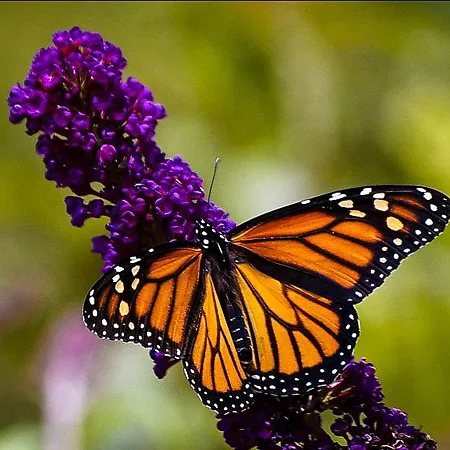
point(337, 196)
point(115, 278)
point(134, 259)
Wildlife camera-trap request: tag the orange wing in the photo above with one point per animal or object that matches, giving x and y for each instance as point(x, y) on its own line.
point(300, 340)
point(213, 367)
point(150, 300)
point(342, 246)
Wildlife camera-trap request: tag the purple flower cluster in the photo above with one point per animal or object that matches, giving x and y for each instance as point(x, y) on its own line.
point(365, 421)
point(292, 423)
point(96, 137)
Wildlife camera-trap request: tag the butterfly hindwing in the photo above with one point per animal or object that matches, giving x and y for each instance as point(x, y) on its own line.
point(213, 367)
point(299, 340)
point(343, 245)
point(149, 299)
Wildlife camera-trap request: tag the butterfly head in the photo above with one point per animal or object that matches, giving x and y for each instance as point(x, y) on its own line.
point(208, 236)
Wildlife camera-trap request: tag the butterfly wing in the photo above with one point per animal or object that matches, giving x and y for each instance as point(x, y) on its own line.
point(212, 365)
point(150, 299)
point(301, 268)
point(343, 245)
point(300, 340)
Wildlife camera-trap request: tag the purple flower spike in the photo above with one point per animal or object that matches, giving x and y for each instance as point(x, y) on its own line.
point(95, 127)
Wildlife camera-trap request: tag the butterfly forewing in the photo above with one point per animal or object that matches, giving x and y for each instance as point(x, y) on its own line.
point(344, 245)
point(150, 299)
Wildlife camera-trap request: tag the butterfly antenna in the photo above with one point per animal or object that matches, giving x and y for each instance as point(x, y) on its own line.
point(216, 164)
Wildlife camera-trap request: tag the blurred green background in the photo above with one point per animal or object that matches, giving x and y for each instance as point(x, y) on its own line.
point(297, 100)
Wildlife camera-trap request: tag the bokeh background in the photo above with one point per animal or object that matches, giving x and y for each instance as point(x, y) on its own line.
point(297, 100)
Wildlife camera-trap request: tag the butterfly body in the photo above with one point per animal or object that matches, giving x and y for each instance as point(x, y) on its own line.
point(220, 263)
point(269, 307)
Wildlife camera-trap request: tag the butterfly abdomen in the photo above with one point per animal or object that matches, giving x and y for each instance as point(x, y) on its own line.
point(235, 321)
point(220, 264)
point(239, 334)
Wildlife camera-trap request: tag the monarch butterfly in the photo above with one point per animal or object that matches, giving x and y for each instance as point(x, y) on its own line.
point(269, 307)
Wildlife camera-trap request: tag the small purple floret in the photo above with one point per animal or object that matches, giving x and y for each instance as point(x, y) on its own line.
point(162, 363)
